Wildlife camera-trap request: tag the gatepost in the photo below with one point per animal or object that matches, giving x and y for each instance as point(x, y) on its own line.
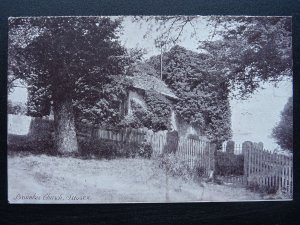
point(246, 148)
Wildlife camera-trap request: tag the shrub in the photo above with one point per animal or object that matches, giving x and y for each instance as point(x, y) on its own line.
point(199, 171)
point(110, 149)
point(145, 150)
point(229, 164)
point(175, 166)
point(255, 187)
point(38, 140)
point(21, 143)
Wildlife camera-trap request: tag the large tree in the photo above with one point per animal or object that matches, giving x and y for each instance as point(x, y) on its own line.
point(63, 61)
point(283, 132)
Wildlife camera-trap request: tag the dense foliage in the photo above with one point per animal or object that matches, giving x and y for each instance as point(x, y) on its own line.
point(283, 132)
point(228, 164)
point(67, 62)
point(101, 104)
point(203, 96)
point(66, 54)
point(155, 117)
point(160, 108)
point(250, 51)
point(109, 149)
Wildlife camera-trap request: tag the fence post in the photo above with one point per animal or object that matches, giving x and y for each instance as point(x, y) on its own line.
point(246, 148)
point(213, 149)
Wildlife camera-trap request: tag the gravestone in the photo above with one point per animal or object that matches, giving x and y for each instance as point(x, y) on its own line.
point(171, 142)
point(230, 147)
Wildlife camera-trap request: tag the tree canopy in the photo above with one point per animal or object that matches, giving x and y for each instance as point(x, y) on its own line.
point(255, 50)
point(64, 55)
point(283, 132)
point(67, 62)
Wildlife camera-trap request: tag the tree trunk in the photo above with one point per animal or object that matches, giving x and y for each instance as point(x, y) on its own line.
point(64, 126)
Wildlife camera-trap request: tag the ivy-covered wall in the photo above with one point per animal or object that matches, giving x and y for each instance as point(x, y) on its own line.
point(137, 97)
point(156, 112)
point(185, 129)
point(148, 109)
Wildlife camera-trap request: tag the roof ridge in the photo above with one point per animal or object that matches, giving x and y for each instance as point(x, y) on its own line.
point(148, 82)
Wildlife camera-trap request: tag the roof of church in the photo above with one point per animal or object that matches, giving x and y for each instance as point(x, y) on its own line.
point(151, 83)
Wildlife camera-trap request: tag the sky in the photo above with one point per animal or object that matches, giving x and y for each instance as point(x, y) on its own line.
point(252, 119)
point(133, 36)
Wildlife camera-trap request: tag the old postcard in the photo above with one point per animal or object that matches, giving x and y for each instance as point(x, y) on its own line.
point(161, 109)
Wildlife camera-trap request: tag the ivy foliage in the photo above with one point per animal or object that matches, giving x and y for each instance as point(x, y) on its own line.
point(155, 117)
point(101, 105)
point(204, 95)
point(160, 108)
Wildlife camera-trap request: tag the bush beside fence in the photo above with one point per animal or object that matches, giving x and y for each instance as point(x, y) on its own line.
point(229, 164)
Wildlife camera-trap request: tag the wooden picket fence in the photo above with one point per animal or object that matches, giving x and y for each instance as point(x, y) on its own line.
point(158, 141)
point(193, 152)
point(121, 135)
point(267, 169)
point(197, 153)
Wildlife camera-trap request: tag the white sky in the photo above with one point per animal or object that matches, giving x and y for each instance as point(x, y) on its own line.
point(133, 36)
point(252, 119)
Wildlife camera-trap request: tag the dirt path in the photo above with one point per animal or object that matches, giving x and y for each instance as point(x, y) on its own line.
point(46, 179)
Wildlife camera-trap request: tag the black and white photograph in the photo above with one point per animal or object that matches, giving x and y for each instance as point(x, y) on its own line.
point(149, 109)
